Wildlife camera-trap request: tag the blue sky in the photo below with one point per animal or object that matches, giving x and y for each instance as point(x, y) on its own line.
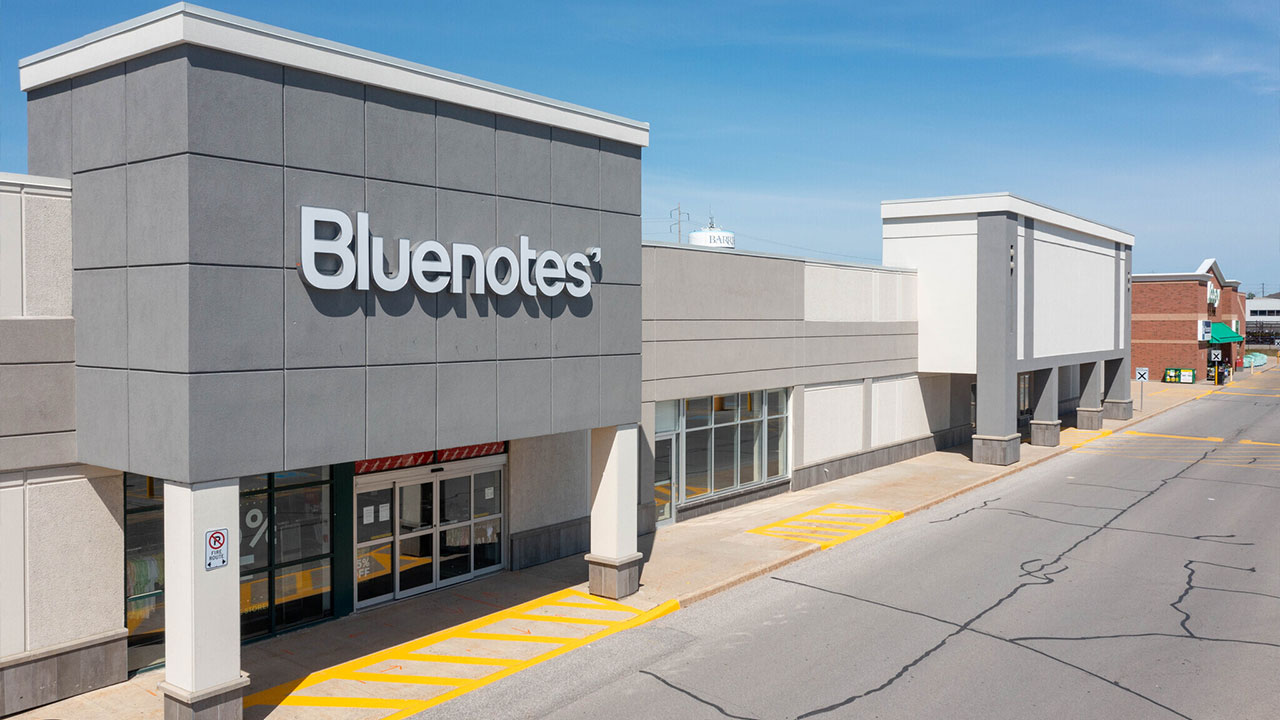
point(791, 121)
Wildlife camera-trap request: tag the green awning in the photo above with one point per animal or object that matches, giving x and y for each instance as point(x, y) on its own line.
point(1221, 333)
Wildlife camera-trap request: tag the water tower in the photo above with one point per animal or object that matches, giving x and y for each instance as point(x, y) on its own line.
point(712, 236)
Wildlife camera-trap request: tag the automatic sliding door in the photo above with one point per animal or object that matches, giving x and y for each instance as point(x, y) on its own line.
point(416, 538)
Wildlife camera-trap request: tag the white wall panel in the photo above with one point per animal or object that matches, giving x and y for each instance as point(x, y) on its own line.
point(926, 227)
point(832, 421)
point(836, 294)
point(947, 290)
point(897, 411)
point(1075, 295)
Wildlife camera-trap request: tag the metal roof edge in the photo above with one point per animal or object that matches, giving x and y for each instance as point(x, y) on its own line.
point(636, 132)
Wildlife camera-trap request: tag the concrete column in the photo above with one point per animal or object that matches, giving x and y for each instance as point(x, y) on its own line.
point(646, 508)
point(613, 561)
point(1089, 414)
point(996, 440)
point(1118, 402)
point(1045, 425)
point(202, 605)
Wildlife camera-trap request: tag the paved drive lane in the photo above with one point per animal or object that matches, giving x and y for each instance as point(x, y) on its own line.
point(1135, 577)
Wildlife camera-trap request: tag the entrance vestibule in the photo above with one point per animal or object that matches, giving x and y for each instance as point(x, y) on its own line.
point(424, 528)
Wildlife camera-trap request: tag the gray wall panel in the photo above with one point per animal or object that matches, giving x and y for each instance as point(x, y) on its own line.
point(49, 130)
point(467, 328)
point(322, 419)
point(524, 217)
point(523, 156)
point(465, 150)
point(575, 324)
point(102, 409)
point(619, 389)
point(157, 214)
point(237, 423)
point(401, 411)
point(236, 318)
point(98, 119)
point(400, 327)
point(233, 212)
point(323, 122)
point(322, 328)
point(159, 424)
point(466, 403)
point(620, 262)
point(100, 306)
point(575, 169)
point(619, 177)
point(619, 312)
point(235, 106)
point(98, 217)
point(524, 326)
point(159, 321)
point(574, 229)
point(575, 393)
point(530, 381)
point(400, 136)
point(156, 104)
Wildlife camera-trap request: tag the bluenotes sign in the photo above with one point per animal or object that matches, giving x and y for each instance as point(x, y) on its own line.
point(432, 267)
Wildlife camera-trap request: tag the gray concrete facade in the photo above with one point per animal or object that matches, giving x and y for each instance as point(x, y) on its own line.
point(725, 321)
point(996, 440)
point(202, 353)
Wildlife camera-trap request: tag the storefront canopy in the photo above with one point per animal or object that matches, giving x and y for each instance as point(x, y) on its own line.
point(1220, 333)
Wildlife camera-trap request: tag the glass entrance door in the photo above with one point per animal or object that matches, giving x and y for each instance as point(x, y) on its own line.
point(415, 532)
point(664, 474)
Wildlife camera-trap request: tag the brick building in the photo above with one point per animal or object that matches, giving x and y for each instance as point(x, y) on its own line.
point(1177, 317)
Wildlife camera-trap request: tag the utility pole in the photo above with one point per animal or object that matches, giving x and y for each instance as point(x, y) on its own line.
point(680, 216)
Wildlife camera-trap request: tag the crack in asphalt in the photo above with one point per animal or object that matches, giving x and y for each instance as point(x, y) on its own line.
point(1083, 507)
point(966, 512)
point(1109, 487)
point(1036, 568)
point(704, 701)
point(961, 628)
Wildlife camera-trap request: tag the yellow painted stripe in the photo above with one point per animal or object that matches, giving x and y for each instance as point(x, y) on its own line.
point(515, 637)
point(1255, 442)
point(1101, 434)
point(405, 678)
point(592, 606)
point(1174, 437)
point(1248, 394)
point(456, 659)
point(563, 619)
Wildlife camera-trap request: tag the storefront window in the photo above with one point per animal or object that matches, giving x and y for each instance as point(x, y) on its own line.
point(728, 441)
point(144, 569)
point(286, 550)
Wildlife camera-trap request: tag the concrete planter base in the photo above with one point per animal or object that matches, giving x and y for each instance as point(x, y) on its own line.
point(1091, 418)
point(613, 578)
point(220, 702)
point(1117, 409)
point(997, 450)
point(1046, 433)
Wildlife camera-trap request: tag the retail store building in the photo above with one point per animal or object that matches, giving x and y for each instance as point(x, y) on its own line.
point(292, 329)
point(1180, 319)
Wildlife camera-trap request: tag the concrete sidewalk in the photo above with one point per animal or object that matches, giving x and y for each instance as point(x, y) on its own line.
point(687, 561)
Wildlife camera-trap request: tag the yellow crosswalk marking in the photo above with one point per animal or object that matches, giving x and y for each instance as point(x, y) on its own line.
point(300, 693)
point(805, 528)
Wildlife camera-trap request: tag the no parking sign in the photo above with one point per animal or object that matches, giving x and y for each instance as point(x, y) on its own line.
point(215, 548)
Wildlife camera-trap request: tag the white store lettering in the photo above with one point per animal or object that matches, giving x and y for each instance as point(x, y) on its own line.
point(430, 265)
